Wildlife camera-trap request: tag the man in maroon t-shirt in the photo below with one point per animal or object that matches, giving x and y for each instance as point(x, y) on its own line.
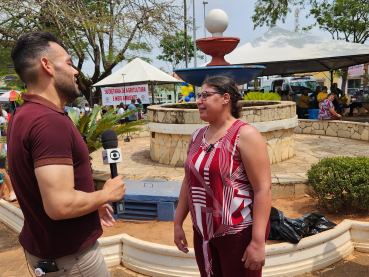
point(50, 169)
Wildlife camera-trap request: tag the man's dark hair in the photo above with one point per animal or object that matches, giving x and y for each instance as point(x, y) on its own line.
point(27, 51)
point(133, 100)
point(86, 105)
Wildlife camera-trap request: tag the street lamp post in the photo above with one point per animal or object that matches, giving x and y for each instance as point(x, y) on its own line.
point(124, 87)
point(204, 22)
point(194, 34)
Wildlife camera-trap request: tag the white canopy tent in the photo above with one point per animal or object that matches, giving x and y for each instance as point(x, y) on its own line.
point(8, 96)
point(137, 72)
point(286, 52)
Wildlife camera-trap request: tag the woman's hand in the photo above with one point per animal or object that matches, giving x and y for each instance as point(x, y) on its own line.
point(254, 256)
point(180, 239)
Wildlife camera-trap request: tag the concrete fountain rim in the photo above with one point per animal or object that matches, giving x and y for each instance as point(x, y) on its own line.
point(269, 104)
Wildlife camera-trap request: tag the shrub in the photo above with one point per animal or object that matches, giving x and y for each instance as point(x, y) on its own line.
point(262, 96)
point(340, 182)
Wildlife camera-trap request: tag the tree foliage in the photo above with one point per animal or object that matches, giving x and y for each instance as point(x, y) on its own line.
point(343, 19)
point(173, 49)
point(103, 31)
point(268, 12)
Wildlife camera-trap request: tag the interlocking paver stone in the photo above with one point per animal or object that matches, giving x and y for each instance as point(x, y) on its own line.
point(309, 149)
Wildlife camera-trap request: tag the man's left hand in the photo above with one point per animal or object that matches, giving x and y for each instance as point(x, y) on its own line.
point(106, 219)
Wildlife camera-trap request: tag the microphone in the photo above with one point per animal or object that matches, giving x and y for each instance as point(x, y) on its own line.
point(207, 151)
point(112, 154)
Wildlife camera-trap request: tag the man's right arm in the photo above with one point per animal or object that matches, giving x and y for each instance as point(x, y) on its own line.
point(62, 201)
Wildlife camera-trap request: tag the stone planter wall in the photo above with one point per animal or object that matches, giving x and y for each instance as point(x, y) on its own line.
point(281, 259)
point(333, 128)
point(172, 125)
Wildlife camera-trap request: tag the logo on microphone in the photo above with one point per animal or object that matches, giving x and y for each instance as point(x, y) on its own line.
point(114, 155)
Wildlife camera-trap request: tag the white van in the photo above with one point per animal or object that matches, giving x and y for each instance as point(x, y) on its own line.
point(295, 84)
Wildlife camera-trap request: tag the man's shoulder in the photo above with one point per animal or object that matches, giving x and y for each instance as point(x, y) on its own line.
point(33, 113)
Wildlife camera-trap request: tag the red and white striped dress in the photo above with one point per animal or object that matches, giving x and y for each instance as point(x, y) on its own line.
point(219, 192)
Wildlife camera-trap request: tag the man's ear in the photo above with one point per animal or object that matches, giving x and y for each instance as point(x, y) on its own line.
point(47, 66)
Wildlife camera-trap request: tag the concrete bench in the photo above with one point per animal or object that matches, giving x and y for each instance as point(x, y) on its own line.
point(149, 200)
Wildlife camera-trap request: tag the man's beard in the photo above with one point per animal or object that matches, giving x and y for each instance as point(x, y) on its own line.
point(65, 86)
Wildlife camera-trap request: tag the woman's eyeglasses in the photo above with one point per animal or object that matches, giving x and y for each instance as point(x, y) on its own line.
point(205, 94)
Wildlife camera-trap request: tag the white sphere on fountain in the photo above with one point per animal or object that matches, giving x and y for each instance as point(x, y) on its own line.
point(216, 22)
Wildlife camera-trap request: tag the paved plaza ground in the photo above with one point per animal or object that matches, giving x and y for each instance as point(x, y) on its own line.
point(309, 149)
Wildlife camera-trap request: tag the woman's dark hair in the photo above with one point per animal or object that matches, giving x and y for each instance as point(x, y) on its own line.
point(139, 101)
point(27, 51)
point(227, 85)
point(121, 105)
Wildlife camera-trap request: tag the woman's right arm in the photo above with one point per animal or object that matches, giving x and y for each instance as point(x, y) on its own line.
point(332, 111)
point(181, 214)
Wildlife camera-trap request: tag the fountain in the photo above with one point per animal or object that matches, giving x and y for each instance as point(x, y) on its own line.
point(217, 46)
point(172, 124)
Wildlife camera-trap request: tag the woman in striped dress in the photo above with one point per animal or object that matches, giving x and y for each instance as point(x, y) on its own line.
point(226, 187)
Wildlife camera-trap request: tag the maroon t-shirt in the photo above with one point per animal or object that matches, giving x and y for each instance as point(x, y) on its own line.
point(41, 134)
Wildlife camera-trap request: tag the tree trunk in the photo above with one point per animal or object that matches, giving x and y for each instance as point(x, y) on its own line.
point(344, 79)
point(256, 83)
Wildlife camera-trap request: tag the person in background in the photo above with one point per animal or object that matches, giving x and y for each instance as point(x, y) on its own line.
point(314, 97)
point(322, 95)
point(357, 104)
point(120, 112)
point(225, 191)
point(336, 90)
point(335, 102)
point(74, 106)
point(120, 108)
point(280, 93)
point(343, 102)
point(132, 106)
point(262, 90)
point(4, 113)
point(326, 111)
point(3, 149)
point(303, 104)
point(139, 105)
point(87, 109)
point(285, 95)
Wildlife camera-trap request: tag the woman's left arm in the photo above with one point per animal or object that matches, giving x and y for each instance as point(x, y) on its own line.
point(255, 159)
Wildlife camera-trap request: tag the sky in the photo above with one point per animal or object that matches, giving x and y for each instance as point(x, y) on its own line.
point(240, 25)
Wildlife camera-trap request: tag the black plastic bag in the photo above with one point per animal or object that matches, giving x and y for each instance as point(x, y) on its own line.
point(293, 230)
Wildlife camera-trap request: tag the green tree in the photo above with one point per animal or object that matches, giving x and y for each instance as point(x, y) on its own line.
point(173, 49)
point(343, 19)
point(103, 31)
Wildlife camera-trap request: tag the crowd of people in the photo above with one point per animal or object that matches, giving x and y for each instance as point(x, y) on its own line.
point(119, 110)
point(4, 177)
point(331, 104)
